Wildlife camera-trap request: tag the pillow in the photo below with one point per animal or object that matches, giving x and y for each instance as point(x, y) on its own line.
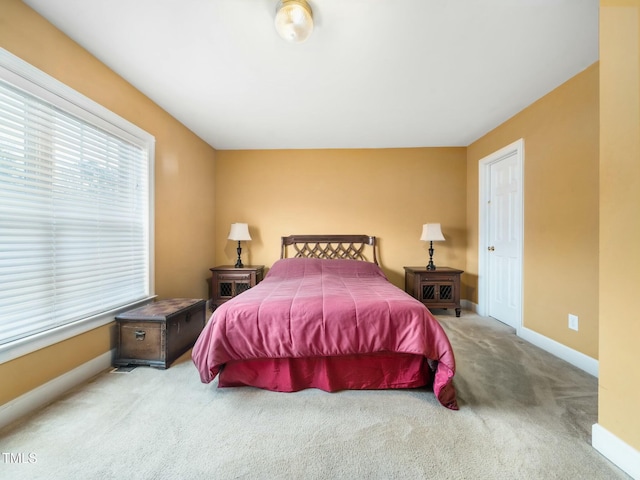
point(299, 267)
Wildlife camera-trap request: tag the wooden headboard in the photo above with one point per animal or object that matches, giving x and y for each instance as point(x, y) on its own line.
point(330, 247)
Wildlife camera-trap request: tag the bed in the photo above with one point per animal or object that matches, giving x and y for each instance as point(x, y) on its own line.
point(325, 316)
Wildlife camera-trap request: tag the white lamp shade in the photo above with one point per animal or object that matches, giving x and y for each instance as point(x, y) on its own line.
point(239, 232)
point(431, 232)
point(294, 20)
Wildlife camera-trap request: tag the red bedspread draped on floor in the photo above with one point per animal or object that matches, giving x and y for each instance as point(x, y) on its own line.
point(311, 308)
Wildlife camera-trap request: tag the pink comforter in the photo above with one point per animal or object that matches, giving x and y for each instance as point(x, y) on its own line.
point(310, 307)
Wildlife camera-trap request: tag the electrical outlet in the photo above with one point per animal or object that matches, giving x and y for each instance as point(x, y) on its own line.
point(573, 322)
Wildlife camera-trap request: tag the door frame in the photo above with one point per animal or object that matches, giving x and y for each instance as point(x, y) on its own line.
point(516, 147)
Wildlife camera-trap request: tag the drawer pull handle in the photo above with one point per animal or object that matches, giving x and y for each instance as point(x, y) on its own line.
point(140, 335)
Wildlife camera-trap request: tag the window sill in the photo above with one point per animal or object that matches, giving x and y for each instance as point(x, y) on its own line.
point(27, 345)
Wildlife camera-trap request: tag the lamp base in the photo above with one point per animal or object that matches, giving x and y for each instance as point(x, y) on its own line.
point(430, 265)
point(239, 262)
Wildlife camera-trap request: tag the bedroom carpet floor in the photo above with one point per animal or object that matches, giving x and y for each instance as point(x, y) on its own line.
point(524, 414)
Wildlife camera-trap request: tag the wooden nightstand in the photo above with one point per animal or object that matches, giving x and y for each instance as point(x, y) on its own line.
point(438, 288)
point(228, 281)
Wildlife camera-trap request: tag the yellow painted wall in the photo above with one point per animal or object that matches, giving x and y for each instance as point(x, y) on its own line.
point(184, 170)
point(619, 382)
point(560, 133)
point(389, 193)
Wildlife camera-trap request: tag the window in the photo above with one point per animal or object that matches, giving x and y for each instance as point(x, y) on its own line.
point(75, 207)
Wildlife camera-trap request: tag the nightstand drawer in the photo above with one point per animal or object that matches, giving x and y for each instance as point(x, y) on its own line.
point(234, 276)
point(432, 278)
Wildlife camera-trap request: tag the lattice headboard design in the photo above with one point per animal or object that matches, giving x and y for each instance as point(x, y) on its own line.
point(331, 247)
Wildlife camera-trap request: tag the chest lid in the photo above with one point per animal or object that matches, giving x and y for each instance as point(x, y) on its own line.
point(161, 310)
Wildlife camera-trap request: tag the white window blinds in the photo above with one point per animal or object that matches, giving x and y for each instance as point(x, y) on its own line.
point(74, 215)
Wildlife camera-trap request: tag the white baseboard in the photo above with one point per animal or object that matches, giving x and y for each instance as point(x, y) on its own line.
point(469, 305)
point(50, 391)
point(575, 358)
point(620, 453)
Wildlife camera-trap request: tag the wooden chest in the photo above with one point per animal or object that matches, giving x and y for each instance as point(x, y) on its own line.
point(158, 333)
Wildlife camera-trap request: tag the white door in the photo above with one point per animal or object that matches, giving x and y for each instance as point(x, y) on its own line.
point(503, 235)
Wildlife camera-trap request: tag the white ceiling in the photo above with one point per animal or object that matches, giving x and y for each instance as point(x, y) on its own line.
point(374, 73)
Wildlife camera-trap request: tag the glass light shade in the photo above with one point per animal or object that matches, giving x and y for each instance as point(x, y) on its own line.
point(294, 20)
point(431, 232)
point(239, 232)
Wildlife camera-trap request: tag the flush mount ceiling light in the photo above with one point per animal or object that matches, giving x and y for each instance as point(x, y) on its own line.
point(294, 20)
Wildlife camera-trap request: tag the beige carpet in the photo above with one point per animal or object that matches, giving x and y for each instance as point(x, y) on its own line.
point(524, 415)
